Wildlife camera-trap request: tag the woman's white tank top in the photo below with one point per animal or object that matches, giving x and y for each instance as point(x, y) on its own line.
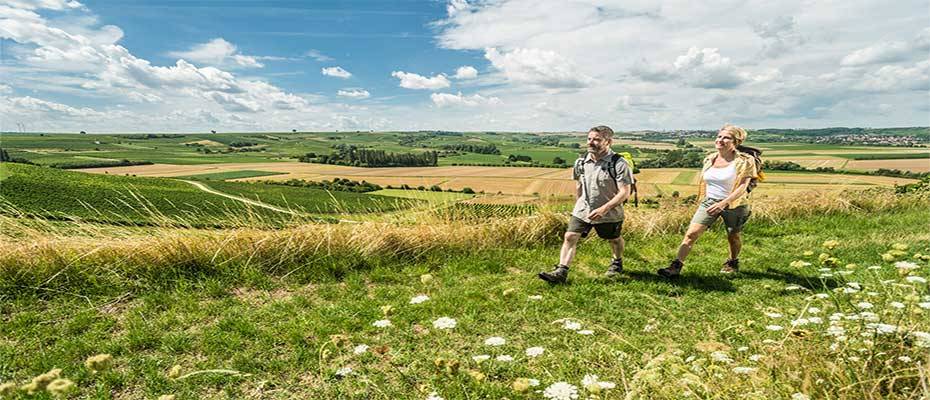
point(720, 181)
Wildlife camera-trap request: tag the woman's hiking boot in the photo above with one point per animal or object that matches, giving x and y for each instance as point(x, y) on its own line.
point(559, 274)
point(673, 270)
point(731, 266)
point(615, 268)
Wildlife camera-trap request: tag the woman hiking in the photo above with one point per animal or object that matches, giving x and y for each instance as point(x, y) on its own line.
point(725, 178)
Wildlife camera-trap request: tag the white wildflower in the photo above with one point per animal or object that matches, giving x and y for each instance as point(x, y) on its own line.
point(836, 316)
point(773, 315)
point(534, 351)
point(360, 349)
point(906, 265)
point(916, 279)
point(769, 341)
point(800, 322)
point(535, 297)
point(923, 338)
point(774, 327)
point(868, 316)
point(744, 370)
point(836, 330)
point(571, 325)
point(419, 299)
point(849, 290)
point(495, 341)
point(444, 323)
point(822, 296)
point(434, 396)
point(481, 357)
point(864, 305)
point(589, 380)
point(344, 371)
point(504, 358)
point(882, 328)
point(755, 357)
point(905, 359)
point(561, 391)
point(815, 320)
point(854, 285)
point(585, 332)
point(800, 396)
point(896, 304)
point(742, 349)
point(813, 310)
point(720, 356)
point(875, 267)
point(381, 323)
point(924, 305)
point(792, 287)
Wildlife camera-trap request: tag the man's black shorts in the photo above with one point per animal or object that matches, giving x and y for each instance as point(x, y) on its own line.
point(607, 230)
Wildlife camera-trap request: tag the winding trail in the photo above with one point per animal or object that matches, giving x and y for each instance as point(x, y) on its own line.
point(256, 203)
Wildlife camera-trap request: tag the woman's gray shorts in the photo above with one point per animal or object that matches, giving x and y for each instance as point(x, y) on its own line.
point(733, 218)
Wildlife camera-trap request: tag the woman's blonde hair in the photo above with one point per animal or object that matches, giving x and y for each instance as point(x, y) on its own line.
point(739, 134)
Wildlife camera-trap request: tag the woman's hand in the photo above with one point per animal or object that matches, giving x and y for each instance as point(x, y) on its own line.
point(717, 208)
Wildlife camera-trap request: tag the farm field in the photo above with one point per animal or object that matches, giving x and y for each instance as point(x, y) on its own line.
point(519, 181)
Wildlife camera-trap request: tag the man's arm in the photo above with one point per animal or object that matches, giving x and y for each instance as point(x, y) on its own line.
point(578, 190)
point(622, 194)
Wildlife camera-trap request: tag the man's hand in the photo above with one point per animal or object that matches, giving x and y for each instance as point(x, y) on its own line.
point(717, 208)
point(597, 213)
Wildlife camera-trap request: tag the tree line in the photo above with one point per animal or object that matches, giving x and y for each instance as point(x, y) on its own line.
point(354, 156)
point(472, 148)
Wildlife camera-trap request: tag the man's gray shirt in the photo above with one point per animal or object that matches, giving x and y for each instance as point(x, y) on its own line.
point(598, 187)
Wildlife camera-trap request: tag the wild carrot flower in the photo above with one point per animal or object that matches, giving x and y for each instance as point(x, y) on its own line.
point(585, 332)
point(561, 391)
point(381, 323)
point(419, 299)
point(444, 323)
point(360, 349)
point(343, 372)
point(916, 279)
point(534, 351)
point(535, 297)
point(571, 325)
point(495, 341)
point(504, 358)
point(744, 370)
point(481, 357)
point(906, 265)
point(434, 396)
point(774, 327)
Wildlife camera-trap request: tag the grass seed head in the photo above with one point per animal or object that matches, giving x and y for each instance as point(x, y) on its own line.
point(60, 387)
point(98, 363)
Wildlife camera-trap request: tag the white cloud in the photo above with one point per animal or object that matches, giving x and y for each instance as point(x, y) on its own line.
point(475, 100)
point(317, 55)
point(354, 93)
point(57, 5)
point(413, 81)
point(336, 72)
point(466, 72)
point(897, 78)
point(538, 67)
point(28, 103)
point(706, 68)
point(5, 89)
point(631, 103)
point(218, 52)
point(780, 36)
point(879, 53)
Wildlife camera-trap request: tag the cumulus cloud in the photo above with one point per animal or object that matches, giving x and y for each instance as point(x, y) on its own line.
point(466, 72)
point(879, 53)
point(28, 103)
point(218, 52)
point(706, 68)
point(410, 80)
point(780, 36)
point(336, 72)
point(450, 100)
point(538, 67)
point(354, 93)
point(897, 78)
point(5, 89)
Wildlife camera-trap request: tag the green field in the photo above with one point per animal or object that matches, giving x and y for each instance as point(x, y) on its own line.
point(685, 178)
point(57, 194)
point(222, 176)
point(874, 156)
point(292, 314)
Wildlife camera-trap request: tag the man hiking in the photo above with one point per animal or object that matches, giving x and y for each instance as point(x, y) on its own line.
point(602, 183)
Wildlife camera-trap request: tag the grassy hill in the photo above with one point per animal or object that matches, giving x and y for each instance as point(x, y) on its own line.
point(831, 303)
point(57, 194)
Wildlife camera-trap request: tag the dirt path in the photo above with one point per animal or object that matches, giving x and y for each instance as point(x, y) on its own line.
point(256, 203)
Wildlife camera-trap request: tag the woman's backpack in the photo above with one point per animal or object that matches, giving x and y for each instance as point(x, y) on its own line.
point(757, 158)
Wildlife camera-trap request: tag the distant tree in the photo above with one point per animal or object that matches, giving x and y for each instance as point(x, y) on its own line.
point(294, 130)
point(468, 190)
point(435, 188)
point(83, 133)
point(212, 131)
point(558, 161)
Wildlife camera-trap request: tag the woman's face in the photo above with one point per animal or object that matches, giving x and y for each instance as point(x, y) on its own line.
point(725, 141)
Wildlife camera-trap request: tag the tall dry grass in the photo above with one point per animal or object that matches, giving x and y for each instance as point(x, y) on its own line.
point(56, 255)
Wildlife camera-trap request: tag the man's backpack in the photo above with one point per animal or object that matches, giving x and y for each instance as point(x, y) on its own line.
point(757, 157)
point(612, 170)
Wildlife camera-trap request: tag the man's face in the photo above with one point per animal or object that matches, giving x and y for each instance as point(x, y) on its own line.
point(597, 144)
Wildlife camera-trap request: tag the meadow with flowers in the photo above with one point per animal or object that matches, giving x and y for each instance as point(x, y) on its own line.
point(832, 301)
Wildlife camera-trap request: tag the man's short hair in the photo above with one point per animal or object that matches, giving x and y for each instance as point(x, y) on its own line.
point(603, 130)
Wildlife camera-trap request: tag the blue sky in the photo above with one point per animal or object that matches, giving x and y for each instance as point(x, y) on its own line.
point(527, 65)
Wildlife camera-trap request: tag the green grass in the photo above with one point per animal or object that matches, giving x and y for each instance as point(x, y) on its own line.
point(312, 200)
point(685, 178)
point(222, 176)
point(291, 335)
point(430, 196)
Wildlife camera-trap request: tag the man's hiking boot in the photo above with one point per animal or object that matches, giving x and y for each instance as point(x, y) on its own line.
point(673, 270)
point(558, 275)
point(615, 268)
point(731, 266)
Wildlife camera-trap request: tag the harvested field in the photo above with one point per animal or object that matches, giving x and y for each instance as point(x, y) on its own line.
point(916, 165)
point(511, 181)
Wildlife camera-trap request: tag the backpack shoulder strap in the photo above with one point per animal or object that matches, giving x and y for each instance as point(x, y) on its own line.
point(612, 165)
